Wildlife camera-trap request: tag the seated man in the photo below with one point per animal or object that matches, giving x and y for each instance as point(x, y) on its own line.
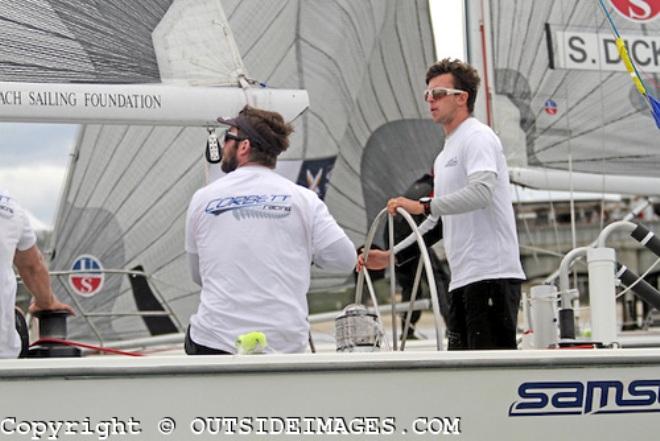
point(17, 247)
point(251, 237)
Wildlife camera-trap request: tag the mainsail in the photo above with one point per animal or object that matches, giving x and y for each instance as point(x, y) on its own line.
point(563, 100)
point(366, 135)
point(363, 138)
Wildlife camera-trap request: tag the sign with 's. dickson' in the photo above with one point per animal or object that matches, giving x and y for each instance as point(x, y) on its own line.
point(597, 51)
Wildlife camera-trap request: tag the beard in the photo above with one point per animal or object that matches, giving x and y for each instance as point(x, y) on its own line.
point(229, 163)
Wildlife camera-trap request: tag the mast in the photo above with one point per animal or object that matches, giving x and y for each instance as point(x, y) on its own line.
point(479, 55)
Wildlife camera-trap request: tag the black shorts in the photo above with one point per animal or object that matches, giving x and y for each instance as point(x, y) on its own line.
point(193, 348)
point(23, 333)
point(484, 314)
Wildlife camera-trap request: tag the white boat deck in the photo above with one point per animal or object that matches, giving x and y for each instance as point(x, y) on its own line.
point(171, 364)
point(541, 395)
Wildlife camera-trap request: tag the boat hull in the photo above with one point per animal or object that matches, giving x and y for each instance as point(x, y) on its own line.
point(571, 394)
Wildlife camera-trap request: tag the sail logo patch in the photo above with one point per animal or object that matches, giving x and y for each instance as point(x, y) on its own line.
point(550, 107)
point(547, 398)
point(90, 279)
point(315, 174)
point(637, 10)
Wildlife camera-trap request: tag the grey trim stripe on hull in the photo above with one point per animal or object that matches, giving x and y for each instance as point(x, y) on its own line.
point(201, 365)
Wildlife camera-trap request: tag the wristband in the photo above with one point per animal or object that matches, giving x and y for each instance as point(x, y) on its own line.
point(426, 203)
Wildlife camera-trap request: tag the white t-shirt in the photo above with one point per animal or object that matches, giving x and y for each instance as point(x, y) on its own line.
point(480, 244)
point(256, 234)
point(15, 233)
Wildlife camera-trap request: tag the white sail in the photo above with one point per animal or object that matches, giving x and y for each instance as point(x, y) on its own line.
point(561, 98)
point(181, 42)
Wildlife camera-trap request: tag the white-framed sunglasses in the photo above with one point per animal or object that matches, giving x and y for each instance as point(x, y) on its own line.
point(440, 92)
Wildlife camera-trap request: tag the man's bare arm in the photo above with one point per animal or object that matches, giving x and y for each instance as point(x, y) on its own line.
point(32, 269)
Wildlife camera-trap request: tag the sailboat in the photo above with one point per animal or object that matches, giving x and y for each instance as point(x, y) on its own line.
point(361, 65)
point(134, 169)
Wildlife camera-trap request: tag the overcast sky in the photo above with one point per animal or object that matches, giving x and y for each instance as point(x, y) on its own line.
point(33, 164)
point(35, 156)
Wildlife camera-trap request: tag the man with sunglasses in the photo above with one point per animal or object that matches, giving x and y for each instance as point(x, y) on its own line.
point(471, 193)
point(251, 238)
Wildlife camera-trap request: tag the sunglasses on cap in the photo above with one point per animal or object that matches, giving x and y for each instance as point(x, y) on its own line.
point(440, 92)
point(231, 136)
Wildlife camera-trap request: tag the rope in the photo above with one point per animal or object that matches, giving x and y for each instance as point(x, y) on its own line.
point(78, 344)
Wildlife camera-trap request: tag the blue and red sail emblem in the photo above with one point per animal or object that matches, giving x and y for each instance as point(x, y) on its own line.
point(639, 11)
point(550, 107)
point(90, 280)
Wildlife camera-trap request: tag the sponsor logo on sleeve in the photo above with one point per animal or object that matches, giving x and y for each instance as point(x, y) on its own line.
point(6, 208)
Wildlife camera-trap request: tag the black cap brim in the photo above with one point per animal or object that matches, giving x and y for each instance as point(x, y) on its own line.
point(243, 124)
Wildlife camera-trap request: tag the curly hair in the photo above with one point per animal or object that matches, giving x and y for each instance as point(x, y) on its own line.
point(465, 77)
point(273, 131)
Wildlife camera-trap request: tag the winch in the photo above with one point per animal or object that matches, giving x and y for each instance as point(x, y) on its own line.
point(357, 330)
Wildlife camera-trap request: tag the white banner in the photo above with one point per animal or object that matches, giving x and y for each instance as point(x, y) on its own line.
point(139, 104)
point(596, 51)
